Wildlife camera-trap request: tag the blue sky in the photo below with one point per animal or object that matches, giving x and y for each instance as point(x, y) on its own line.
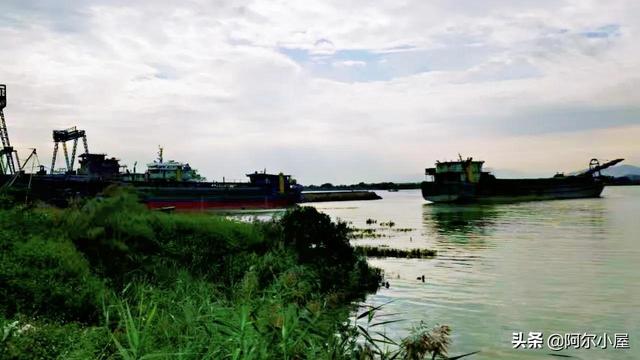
point(339, 91)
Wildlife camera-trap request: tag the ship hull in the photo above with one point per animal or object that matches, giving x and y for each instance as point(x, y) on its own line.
point(212, 198)
point(512, 190)
point(238, 204)
point(60, 189)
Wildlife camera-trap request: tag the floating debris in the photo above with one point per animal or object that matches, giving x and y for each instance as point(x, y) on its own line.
point(378, 251)
point(339, 196)
point(403, 229)
point(365, 233)
point(378, 232)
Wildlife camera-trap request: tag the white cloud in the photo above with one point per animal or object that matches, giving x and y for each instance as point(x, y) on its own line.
point(349, 63)
point(405, 83)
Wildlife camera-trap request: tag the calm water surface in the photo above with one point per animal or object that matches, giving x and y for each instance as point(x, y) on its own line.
point(552, 266)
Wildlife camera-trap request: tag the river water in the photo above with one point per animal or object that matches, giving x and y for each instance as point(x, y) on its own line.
point(556, 267)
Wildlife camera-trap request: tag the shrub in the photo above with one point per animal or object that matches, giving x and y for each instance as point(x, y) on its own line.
point(27, 339)
point(425, 341)
point(325, 246)
point(177, 285)
point(47, 277)
point(113, 233)
point(207, 245)
point(121, 239)
point(316, 239)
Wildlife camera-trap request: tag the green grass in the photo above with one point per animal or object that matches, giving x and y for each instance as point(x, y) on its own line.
point(108, 279)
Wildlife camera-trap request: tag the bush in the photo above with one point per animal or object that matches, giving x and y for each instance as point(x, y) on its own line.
point(207, 245)
point(113, 233)
point(47, 277)
point(316, 239)
point(325, 246)
point(144, 242)
point(28, 339)
point(188, 285)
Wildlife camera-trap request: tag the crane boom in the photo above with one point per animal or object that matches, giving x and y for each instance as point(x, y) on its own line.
point(596, 167)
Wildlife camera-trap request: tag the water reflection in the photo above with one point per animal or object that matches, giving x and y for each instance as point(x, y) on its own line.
point(552, 266)
point(460, 224)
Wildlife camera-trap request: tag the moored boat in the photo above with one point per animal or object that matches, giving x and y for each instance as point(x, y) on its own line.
point(169, 184)
point(464, 181)
point(165, 185)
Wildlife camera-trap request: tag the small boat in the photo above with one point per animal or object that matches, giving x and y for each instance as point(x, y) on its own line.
point(464, 181)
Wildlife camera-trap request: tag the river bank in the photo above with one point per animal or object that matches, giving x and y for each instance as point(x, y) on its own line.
point(109, 279)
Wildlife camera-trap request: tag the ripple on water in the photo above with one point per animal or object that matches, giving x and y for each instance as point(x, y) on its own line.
point(552, 266)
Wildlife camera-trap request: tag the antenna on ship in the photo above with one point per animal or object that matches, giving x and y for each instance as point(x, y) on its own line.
point(7, 165)
point(160, 149)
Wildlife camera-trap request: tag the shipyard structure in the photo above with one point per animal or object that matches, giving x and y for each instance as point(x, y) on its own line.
point(165, 184)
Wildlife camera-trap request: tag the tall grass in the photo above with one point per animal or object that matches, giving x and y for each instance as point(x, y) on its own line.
point(108, 279)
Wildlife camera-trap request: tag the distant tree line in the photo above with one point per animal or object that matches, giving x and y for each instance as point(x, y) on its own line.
point(621, 180)
point(365, 186)
point(624, 180)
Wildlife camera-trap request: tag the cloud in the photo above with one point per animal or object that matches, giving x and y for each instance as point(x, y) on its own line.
point(611, 30)
point(323, 47)
point(349, 63)
point(331, 91)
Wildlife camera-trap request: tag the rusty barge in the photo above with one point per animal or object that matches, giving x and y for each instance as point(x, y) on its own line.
point(464, 181)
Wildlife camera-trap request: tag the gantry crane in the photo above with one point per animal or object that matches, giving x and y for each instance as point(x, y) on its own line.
point(7, 153)
point(62, 136)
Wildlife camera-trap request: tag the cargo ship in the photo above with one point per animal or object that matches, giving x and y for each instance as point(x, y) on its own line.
point(464, 181)
point(177, 185)
point(165, 185)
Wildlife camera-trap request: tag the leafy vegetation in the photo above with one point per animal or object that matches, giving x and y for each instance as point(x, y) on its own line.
point(109, 279)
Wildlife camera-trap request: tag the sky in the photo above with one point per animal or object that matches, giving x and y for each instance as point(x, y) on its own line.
point(329, 91)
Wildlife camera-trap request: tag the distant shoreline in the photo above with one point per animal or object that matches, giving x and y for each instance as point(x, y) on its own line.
point(364, 186)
